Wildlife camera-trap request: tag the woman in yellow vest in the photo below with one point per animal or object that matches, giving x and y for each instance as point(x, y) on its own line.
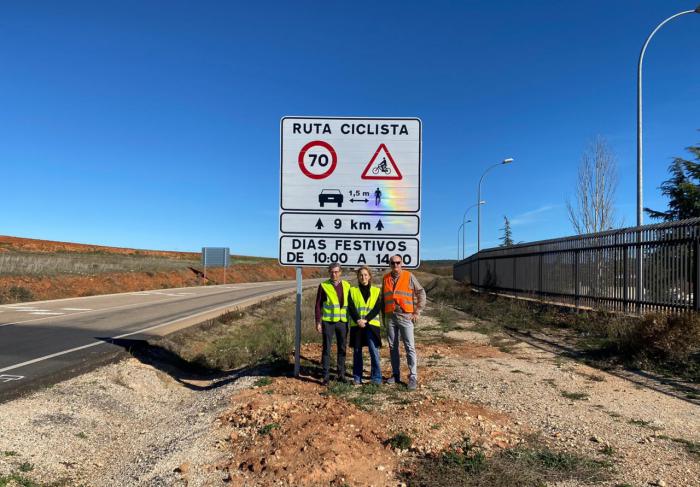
point(364, 307)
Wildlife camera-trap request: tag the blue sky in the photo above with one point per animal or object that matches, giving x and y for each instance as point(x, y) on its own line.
point(156, 124)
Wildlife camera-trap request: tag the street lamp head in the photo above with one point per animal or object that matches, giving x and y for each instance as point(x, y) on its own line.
point(482, 202)
point(697, 9)
point(507, 161)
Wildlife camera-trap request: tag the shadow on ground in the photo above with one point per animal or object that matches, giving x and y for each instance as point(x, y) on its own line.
point(197, 377)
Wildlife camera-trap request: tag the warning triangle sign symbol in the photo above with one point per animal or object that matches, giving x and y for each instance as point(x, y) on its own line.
point(382, 166)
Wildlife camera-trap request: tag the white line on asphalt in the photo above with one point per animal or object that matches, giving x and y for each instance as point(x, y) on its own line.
point(47, 313)
point(94, 344)
point(132, 305)
point(10, 378)
point(76, 309)
point(237, 286)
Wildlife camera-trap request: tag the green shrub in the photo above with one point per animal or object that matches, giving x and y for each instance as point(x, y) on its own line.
point(400, 441)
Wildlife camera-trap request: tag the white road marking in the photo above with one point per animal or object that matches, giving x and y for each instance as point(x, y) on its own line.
point(10, 378)
point(94, 344)
point(47, 313)
point(76, 309)
point(130, 305)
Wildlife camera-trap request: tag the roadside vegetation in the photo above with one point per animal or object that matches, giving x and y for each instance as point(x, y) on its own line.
point(665, 343)
point(524, 466)
point(89, 263)
point(261, 334)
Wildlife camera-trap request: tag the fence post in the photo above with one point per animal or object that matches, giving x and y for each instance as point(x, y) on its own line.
point(576, 284)
point(696, 276)
point(625, 279)
point(515, 294)
point(639, 273)
point(539, 276)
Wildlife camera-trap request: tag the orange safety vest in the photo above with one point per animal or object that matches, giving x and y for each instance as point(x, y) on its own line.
point(401, 295)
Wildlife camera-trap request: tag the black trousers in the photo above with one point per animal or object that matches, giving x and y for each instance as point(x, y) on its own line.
point(340, 330)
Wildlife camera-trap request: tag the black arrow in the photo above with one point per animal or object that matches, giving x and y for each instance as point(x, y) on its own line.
point(380, 226)
point(355, 201)
point(319, 224)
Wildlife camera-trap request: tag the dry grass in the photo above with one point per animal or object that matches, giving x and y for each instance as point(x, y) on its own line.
point(667, 343)
point(36, 264)
point(525, 466)
point(263, 333)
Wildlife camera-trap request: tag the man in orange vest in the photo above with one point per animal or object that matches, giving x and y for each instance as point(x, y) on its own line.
point(404, 300)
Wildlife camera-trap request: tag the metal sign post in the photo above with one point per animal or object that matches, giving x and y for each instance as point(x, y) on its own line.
point(215, 257)
point(297, 329)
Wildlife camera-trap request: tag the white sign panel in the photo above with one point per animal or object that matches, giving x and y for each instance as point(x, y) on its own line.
point(386, 225)
point(350, 164)
point(350, 191)
point(350, 251)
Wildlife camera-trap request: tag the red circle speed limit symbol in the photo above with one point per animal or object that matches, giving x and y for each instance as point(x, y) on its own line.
point(317, 159)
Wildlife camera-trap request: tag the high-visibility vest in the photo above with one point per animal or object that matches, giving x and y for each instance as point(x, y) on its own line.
point(363, 308)
point(401, 294)
point(332, 311)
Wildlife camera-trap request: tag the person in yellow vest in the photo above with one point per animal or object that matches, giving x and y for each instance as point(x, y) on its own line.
point(404, 299)
point(364, 308)
point(332, 319)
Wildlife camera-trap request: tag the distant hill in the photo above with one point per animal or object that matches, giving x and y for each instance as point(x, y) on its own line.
point(32, 269)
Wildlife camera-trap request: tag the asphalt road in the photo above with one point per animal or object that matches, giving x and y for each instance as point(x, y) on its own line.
point(45, 341)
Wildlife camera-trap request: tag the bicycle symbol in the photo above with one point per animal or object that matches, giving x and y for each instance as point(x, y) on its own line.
point(382, 166)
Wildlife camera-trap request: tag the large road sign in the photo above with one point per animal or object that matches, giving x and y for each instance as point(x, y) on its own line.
point(215, 256)
point(350, 190)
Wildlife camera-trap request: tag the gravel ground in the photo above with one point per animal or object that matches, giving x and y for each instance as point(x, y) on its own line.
point(124, 424)
point(130, 424)
point(581, 409)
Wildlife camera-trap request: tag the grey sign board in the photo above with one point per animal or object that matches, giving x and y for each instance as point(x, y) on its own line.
point(215, 256)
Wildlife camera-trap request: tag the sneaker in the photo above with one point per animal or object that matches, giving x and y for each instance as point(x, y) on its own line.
point(412, 384)
point(376, 382)
point(325, 381)
point(342, 379)
point(356, 382)
point(391, 381)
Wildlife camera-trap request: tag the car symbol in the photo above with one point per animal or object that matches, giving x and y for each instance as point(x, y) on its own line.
point(330, 196)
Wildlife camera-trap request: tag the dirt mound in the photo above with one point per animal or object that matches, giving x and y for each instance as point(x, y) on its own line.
point(297, 432)
point(290, 434)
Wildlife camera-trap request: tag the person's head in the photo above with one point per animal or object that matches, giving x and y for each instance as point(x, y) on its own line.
point(395, 264)
point(364, 275)
point(334, 272)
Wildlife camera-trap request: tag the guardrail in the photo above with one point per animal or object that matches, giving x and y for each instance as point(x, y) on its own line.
point(598, 270)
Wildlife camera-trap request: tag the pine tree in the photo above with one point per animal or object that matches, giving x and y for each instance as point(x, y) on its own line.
point(507, 237)
point(682, 189)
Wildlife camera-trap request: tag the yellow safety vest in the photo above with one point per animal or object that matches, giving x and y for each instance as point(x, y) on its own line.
point(363, 308)
point(332, 311)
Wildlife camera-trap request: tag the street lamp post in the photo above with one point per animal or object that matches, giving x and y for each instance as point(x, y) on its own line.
point(640, 152)
point(478, 224)
point(462, 226)
point(464, 230)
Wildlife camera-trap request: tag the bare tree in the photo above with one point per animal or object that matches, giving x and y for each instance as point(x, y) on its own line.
point(594, 210)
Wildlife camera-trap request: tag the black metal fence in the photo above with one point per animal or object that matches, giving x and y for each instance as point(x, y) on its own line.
point(598, 270)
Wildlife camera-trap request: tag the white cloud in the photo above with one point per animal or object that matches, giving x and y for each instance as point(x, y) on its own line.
point(532, 216)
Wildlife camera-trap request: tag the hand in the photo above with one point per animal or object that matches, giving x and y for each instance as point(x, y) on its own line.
point(362, 323)
point(414, 317)
point(318, 328)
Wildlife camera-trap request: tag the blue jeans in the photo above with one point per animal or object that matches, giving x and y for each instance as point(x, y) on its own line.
point(357, 365)
point(401, 325)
